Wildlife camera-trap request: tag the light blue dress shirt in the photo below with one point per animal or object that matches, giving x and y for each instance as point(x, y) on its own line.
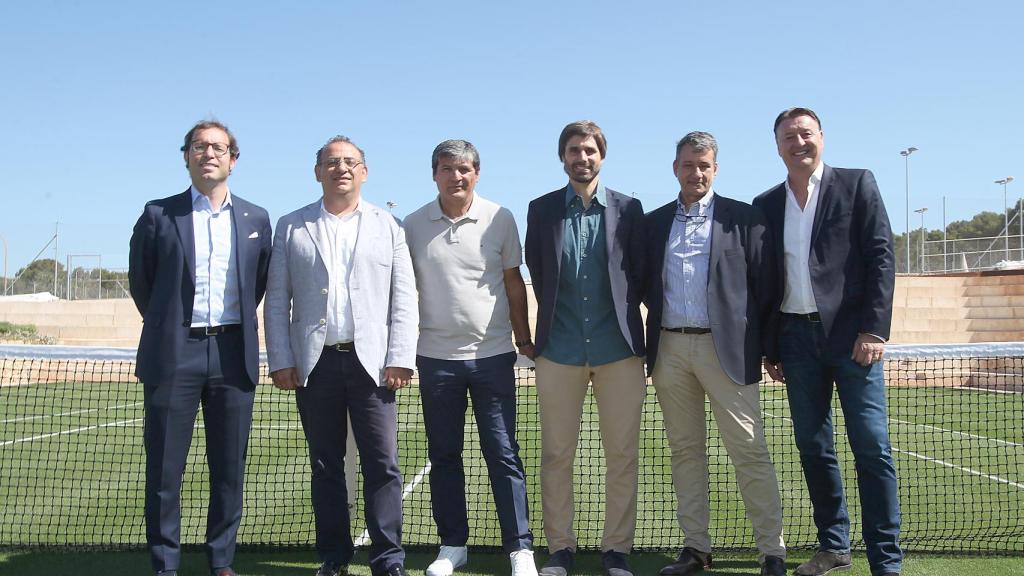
point(687, 259)
point(217, 299)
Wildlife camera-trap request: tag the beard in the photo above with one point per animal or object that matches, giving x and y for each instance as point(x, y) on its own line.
point(584, 178)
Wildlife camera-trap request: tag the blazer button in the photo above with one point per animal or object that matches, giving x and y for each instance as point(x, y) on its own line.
point(323, 321)
point(323, 290)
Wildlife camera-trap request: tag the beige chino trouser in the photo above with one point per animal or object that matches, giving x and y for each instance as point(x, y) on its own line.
point(686, 370)
point(619, 389)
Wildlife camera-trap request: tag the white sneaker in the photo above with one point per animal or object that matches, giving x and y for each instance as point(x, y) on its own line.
point(522, 563)
point(448, 559)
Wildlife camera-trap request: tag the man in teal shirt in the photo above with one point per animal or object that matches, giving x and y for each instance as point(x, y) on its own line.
point(585, 252)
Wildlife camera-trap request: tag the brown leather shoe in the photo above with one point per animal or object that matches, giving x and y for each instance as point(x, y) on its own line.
point(690, 561)
point(824, 563)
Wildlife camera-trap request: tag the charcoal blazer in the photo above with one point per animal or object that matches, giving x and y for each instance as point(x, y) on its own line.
point(741, 284)
point(852, 265)
point(161, 278)
point(623, 222)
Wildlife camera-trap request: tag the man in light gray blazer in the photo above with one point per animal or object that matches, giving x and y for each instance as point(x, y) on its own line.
point(341, 322)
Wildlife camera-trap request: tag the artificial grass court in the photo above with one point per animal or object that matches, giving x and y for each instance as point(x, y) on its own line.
point(480, 564)
point(71, 465)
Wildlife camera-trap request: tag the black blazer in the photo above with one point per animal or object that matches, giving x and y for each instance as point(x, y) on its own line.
point(741, 284)
point(161, 277)
point(853, 271)
point(623, 222)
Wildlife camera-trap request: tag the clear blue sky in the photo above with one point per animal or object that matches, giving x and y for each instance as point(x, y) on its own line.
point(96, 97)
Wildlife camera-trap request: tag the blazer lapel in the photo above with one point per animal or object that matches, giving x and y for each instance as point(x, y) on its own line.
point(556, 213)
point(240, 224)
point(611, 224)
point(315, 227)
point(186, 233)
point(825, 202)
point(720, 221)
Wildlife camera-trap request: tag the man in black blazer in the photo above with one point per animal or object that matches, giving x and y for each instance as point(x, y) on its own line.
point(836, 279)
point(197, 270)
point(710, 290)
point(585, 252)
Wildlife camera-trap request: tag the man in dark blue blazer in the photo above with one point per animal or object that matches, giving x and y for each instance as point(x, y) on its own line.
point(197, 270)
point(836, 280)
point(710, 291)
point(585, 252)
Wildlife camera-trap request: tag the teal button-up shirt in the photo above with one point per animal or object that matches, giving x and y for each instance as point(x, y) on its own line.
point(585, 330)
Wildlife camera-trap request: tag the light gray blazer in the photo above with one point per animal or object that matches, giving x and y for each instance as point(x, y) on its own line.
point(382, 289)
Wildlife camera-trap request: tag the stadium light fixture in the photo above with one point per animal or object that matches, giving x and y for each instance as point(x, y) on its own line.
point(906, 164)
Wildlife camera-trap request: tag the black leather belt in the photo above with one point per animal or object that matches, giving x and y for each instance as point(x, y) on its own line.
point(688, 330)
point(812, 317)
point(342, 347)
point(204, 331)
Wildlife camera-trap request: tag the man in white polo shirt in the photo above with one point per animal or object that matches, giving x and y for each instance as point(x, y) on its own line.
point(466, 256)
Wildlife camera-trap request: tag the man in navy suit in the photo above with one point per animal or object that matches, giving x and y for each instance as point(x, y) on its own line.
point(710, 291)
point(836, 277)
point(585, 252)
point(197, 270)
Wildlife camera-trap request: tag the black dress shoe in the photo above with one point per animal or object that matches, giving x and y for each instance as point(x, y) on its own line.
point(615, 564)
point(560, 563)
point(225, 571)
point(332, 569)
point(773, 566)
point(395, 570)
point(690, 561)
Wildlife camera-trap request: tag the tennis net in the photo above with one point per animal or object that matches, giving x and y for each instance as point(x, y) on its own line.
point(72, 461)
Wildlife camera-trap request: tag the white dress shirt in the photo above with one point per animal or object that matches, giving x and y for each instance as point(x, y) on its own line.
point(799, 223)
point(216, 299)
point(340, 233)
point(685, 272)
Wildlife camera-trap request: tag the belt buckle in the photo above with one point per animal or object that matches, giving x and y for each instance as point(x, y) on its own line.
point(210, 330)
point(340, 347)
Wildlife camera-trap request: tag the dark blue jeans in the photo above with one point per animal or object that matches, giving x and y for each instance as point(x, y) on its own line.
point(491, 384)
point(811, 370)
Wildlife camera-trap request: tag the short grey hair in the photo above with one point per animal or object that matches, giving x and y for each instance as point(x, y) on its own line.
point(455, 149)
point(334, 140)
point(700, 142)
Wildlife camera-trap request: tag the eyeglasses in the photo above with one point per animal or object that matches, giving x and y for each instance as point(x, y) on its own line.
point(219, 150)
point(337, 163)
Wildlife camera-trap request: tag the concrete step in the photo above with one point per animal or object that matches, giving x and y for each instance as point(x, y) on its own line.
point(994, 301)
point(994, 290)
point(993, 279)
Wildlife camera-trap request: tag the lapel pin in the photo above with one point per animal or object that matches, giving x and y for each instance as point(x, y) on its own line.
point(245, 213)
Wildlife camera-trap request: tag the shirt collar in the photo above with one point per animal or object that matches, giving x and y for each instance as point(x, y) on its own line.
point(600, 194)
point(201, 202)
point(435, 212)
point(325, 213)
point(702, 205)
point(812, 182)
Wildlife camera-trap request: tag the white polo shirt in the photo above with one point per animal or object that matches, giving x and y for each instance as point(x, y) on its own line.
point(460, 276)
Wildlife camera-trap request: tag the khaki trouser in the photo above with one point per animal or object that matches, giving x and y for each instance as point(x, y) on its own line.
point(619, 389)
point(686, 370)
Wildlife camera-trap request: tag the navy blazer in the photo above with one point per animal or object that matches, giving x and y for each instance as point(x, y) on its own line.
point(853, 269)
point(623, 223)
point(741, 284)
point(161, 277)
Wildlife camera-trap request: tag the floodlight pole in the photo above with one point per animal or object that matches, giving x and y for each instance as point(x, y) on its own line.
point(906, 163)
point(1006, 217)
point(5, 263)
point(921, 211)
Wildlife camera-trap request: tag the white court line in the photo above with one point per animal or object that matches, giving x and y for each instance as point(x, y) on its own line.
point(980, 389)
point(364, 538)
point(72, 431)
point(940, 462)
point(72, 413)
point(996, 440)
point(961, 468)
